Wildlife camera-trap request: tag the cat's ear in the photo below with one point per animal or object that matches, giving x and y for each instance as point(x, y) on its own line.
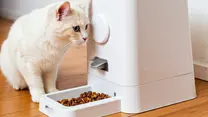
point(63, 11)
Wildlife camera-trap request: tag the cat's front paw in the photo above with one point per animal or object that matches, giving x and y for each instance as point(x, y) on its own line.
point(36, 95)
point(52, 90)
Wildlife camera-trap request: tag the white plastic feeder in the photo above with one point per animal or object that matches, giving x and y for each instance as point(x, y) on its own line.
point(142, 58)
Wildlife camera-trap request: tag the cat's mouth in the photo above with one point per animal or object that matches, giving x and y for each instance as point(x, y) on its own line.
point(79, 42)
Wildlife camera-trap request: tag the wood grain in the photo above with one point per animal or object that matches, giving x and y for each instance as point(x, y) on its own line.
point(72, 73)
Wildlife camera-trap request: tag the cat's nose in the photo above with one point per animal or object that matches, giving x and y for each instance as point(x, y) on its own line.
point(84, 39)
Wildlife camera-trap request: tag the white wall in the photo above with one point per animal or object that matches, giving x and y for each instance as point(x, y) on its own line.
point(199, 29)
point(198, 3)
point(198, 13)
point(14, 8)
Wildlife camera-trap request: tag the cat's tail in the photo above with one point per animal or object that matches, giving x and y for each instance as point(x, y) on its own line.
point(1, 47)
point(3, 51)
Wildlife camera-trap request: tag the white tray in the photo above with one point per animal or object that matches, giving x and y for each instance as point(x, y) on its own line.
point(50, 107)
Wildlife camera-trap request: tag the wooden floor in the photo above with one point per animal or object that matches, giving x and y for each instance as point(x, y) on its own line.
point(73, 73)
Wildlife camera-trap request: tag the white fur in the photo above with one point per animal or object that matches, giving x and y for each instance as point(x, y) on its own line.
point(35, 46)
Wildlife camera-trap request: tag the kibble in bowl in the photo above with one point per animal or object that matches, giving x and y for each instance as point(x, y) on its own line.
point(85, 97)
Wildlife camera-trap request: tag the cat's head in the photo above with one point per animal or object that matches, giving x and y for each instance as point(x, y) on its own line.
point(71, 22)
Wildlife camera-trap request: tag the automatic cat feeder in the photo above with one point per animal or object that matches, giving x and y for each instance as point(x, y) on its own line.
point(143, 59)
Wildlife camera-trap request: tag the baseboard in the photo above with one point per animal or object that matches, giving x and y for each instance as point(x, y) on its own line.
point(201, 70)
point(9, 14)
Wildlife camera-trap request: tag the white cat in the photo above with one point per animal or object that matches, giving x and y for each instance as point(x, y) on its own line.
point(37, 42)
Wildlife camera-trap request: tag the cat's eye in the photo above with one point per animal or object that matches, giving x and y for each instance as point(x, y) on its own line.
point(86, 27)
point(76, 29)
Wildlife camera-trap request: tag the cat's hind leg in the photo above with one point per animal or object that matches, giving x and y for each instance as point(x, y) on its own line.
point(33, 77)
point(10, 70)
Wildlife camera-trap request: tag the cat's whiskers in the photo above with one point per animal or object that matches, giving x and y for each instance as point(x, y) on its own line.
point(66, 47)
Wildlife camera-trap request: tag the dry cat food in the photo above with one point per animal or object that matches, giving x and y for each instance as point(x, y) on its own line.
point(85, 97)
